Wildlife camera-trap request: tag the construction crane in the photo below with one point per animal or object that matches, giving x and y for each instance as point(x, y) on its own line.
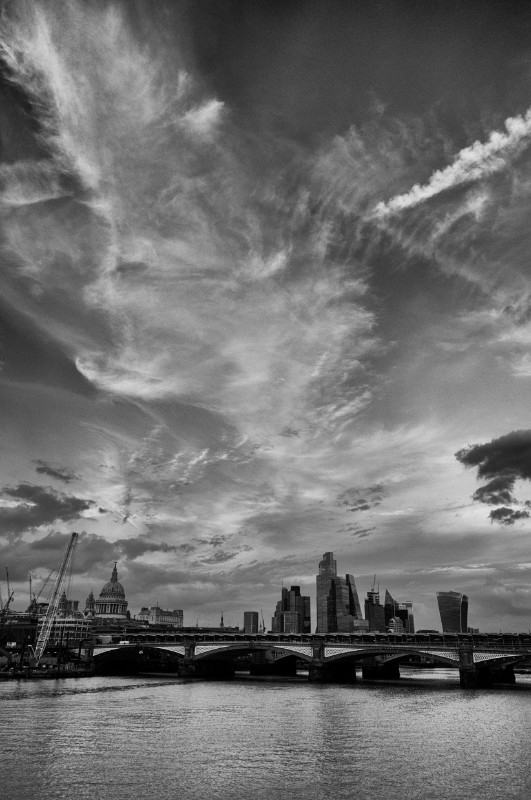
point(53, 605)
point(45, 583)
point(5, 609)
point(7, 581)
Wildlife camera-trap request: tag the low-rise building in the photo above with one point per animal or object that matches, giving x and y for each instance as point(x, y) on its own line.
point(70, 631)
point(154, 615)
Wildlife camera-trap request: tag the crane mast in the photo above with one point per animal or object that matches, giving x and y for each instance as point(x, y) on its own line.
point(46, 627)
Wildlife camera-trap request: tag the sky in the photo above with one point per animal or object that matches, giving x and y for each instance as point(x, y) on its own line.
point(265, 293)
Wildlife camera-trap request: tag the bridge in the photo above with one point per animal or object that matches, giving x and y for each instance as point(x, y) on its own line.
point(481, 661)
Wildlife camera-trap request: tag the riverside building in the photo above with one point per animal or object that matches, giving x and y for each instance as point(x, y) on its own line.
point(154, 615)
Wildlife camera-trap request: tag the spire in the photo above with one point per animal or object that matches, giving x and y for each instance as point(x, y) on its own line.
point(114, 576)
point(221, 625)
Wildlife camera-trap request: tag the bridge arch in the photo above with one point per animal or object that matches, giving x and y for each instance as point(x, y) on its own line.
point(236, 650)
point(334, 654)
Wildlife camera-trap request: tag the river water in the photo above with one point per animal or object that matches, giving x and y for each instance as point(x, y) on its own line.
point(160, 739)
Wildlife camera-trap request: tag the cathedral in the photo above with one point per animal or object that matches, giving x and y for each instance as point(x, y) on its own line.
point(111, 605)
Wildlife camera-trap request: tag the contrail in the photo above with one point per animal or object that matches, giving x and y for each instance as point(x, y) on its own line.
point(471, 164)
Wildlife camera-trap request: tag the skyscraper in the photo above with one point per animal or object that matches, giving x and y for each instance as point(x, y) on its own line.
point(390, 607)
point(375, 611)
point(327, 573)
point(292, 613)
point(250, 621)
point(338, 605)
point(404, 611)
point(453, 608)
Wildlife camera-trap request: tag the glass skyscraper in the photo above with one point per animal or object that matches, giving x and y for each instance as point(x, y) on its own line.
point(453, 608)
point(338, 604)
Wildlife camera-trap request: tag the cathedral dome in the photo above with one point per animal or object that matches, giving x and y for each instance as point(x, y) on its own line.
point(113, 588)
point(111, 604)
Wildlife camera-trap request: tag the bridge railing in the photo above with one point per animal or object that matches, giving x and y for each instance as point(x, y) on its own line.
point(412, 641)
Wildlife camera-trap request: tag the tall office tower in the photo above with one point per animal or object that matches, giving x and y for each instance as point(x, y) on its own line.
point(405, 612)
point(354, 601)
point(375, 612)
point(453, 608)
point(390, 607)
point(250, 621)
point(327, 573)
point(338, 605)
point(292, 612)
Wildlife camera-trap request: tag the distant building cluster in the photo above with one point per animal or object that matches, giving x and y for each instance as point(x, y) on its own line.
point(292, 612)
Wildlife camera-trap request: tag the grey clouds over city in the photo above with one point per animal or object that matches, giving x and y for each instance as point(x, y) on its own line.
point(265, 293)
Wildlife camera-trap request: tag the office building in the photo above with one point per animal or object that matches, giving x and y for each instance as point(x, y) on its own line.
point(70, 631)
point(390, 607)
point(292, 612)
point(375, 611)
point(338, 605)
point(404, 611)
point(453, 608)
point(250, 621)
point(327, 574)
point(395, 625)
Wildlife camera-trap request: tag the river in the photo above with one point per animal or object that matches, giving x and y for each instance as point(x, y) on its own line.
point(280, 739)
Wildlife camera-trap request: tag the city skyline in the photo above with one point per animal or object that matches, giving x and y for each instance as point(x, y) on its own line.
point(265, 294)
point(337, 607)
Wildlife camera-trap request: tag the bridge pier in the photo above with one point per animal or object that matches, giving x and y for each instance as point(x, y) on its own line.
point(375, 669)
point(503, 673)
point(210, 669)
point(263, 664)
point(333, 672)
point(469, 677)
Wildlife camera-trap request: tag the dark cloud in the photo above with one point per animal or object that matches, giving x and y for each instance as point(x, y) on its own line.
point(504, 461)
point(61, 473)
point(499, 490)
point(287, 431)
point(361, 499)
point(38, 505)
point(509, 455)
point(134, 548)
point(93, 554)
point(220, 557)
point(508, 516)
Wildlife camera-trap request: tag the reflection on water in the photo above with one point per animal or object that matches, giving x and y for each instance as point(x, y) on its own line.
point(422, 737)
